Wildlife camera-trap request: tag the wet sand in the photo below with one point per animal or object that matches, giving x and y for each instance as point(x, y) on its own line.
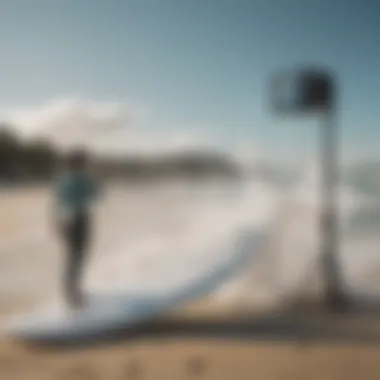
point(169, 357)
point(186, 359)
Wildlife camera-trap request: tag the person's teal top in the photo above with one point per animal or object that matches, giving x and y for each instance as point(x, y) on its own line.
point(75, 191)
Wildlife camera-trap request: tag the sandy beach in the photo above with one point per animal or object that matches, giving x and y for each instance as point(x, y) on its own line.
point(169, 356)
point(193, 358)
point(181, 359)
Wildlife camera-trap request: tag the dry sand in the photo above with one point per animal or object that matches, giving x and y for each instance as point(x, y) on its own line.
point(180, 358)
point(16, 210)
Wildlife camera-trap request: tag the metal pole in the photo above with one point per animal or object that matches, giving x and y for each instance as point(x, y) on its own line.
point(329, 211)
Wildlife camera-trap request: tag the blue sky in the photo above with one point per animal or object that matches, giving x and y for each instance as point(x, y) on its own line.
point(197, 63)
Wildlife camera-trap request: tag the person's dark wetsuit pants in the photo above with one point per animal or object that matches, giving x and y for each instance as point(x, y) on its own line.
point(77, 239)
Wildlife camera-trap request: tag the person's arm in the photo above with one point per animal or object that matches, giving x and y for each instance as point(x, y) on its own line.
point(57, 197)
point(95, 188)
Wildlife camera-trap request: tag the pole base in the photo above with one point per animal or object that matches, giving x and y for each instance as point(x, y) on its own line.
point(337, 301)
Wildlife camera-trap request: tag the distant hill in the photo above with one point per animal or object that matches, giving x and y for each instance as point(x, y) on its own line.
point(38, 159)
point(189, 165)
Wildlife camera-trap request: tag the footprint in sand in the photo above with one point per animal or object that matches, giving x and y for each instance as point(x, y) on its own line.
point(80, 372)
point(196, 366)
point(8, 365)
point(133, 371)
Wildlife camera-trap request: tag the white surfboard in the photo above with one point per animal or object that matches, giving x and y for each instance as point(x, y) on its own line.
point(106, 313)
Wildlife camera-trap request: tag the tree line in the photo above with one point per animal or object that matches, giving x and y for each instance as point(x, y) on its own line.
point(33, 159)
point(38, 160)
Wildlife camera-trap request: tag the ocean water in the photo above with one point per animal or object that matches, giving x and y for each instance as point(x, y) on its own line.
point(150, 239)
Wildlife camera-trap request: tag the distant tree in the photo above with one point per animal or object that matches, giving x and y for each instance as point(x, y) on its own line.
point(10, 149)
point(40, 158)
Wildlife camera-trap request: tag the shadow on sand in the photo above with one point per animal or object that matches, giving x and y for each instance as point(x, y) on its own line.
point(360, 324)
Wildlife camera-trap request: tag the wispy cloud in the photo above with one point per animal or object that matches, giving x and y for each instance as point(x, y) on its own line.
point(74, 120)
point(117, 127)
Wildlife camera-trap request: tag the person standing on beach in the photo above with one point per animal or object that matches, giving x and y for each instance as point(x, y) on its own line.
point(75, 192)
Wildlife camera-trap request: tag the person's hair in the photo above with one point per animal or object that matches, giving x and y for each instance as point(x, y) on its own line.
point(77, 159)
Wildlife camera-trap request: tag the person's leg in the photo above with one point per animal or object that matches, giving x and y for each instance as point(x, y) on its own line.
point(76, 256)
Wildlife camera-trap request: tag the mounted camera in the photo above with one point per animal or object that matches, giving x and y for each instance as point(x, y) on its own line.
point(303, 91)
